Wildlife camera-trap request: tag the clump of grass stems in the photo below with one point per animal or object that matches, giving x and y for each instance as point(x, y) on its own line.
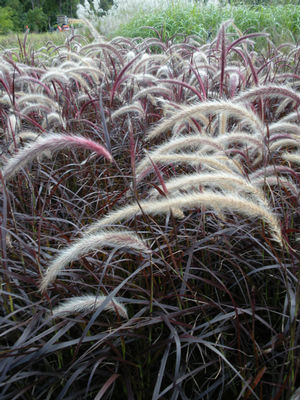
point(199, 162)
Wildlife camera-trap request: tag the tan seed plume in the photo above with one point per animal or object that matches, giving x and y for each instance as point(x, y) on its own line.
point(226, 181)
point(88, 243)
point(217, 201)
point(89, 303)
point(292, 157)
point(214, 107)
point(221, 163)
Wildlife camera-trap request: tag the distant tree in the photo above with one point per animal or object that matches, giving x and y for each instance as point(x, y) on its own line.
point(6, 20)
point(39, 15)
point(17, 14)
point(36, 20)
point(52, 8)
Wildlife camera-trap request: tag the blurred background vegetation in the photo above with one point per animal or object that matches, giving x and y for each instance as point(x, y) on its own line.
point(41, 15)
point(38, 15)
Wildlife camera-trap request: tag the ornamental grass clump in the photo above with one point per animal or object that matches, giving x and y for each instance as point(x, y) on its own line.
point(153, 253)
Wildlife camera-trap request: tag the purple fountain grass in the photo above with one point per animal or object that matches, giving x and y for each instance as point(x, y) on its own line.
point(30, 79)
point(35, 107)
point(135, 107)
point(82, 69)
point(212, 200)
point(218, 162)
point(278, 181)
point(291, 117)
point(55, 74)
point(24, 135)
point(91, 46)
point(292, 157)
point(80, 79)
point(152, 41)
point(284, 127)
point(184, 84)
point(268, 91)
point(179, 143)
point(245, 37)
point(223, 120)
point(37, 99)
point(13, 126)
point(196, 78)
point(288, 142)
point(54, 118)
point(136, 82)
point(217, 292)
point(283, 106)
point(118, 239)
point(222, 38)
point(160, 91)
point(120, 78)
point(103, 47)
point(89, 303)
point(197, 142)
point(241, 138)
point(70, 55)
point(51, 142)
point(197, 111)
point(274, 170)
point(228, 182)
point(154, 59)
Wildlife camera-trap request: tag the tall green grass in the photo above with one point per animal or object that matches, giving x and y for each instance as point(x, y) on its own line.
point(34, 40)
point(282, 22)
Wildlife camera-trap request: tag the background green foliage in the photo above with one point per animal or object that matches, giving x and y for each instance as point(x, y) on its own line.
point(39, 15)
point(36, 19)
point(250, 15)
point(6, 19)
point(281, 22)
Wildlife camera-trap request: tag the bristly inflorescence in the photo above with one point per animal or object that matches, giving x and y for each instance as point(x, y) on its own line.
point(92, 242)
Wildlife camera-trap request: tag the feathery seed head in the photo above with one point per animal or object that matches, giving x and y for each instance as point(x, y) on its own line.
point(292, 157)
point(197, 111)
point(88, 243)
point(231, 202)
point(88, 303)
point(268, 91)
point(51, 142)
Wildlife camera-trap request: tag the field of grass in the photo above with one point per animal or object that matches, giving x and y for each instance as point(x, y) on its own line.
point(280, 21)
point(150, 219)
point(33, 41)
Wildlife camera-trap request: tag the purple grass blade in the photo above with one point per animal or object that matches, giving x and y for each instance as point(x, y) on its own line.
point(106, 134)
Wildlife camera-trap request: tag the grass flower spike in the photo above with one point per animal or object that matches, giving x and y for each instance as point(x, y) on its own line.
point(51, 142)
point(86, 244)
point(88, 303)
point(217, 201)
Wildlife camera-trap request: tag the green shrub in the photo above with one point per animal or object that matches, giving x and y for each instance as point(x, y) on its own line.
point(36, 20)
point(6, 22)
